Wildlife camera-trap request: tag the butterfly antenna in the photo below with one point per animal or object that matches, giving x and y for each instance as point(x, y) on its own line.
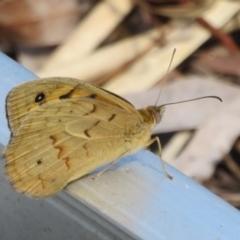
point(194, 99)
point(165, 77)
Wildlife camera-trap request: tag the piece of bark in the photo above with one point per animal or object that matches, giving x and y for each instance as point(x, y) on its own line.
point(222, 179)
point(175, 145)
point(90, 32)
point(213, 140)
point(232, 166)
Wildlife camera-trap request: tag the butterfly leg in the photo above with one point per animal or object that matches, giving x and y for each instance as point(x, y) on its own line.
point(151, 141)
point(109, 165)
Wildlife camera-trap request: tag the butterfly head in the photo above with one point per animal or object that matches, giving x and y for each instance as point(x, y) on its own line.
point(153, 114)
point(158, 113)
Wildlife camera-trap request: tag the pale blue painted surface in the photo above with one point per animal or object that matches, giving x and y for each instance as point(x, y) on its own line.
point(11, 74)
point(156, 207)
point(137, 195)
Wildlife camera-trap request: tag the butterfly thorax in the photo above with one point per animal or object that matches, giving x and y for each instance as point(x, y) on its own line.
point(136, 136)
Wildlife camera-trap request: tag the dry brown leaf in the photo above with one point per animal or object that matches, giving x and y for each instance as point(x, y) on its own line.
point(225, 64)
point(191, 8)
point(45, 23)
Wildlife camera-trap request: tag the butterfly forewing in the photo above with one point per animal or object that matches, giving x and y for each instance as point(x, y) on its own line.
point(29, 96)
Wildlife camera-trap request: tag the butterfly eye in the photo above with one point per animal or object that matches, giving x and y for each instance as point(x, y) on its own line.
point(40, 97)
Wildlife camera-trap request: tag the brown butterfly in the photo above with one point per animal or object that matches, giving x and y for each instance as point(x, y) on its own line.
point(63, 128)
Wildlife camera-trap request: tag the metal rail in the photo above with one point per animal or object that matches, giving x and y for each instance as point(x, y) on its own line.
point(133, 200)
